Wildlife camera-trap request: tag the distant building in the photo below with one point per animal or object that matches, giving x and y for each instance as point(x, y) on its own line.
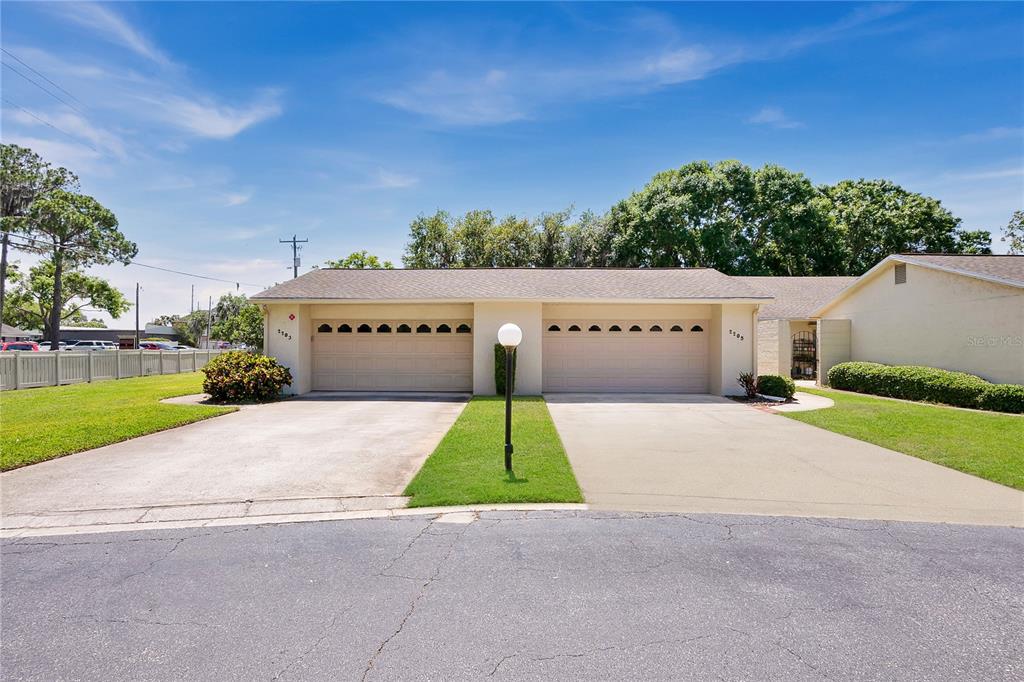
point(9, 333)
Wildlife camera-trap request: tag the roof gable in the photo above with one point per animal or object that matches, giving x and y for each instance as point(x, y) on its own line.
point(1006, 270)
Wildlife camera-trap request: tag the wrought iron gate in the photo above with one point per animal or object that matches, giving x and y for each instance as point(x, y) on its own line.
point(805, 355)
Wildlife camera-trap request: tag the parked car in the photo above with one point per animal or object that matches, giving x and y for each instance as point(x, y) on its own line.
point(157, 345)
point(91, 345)
point(19, 345)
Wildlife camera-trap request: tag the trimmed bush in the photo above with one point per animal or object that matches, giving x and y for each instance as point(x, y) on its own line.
point(776, 386)
point(499, 369)
point(239, 376)
point(926, 384)
point(1002, 398)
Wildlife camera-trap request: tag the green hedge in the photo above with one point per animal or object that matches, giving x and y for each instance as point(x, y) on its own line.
point(499, 369)
point(239, 376)
point(927, 384)
point(776, 386)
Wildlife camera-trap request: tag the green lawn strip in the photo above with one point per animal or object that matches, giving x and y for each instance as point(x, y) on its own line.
point(984, 444)
point(468, 465)
point(37, 424)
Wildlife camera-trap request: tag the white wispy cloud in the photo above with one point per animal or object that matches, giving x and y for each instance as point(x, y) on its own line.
point(237, 198)
point(204, 117)
point(74, 125)
point(501, 85)
point(774, 117)
point(391, 180)
point(993, 135)
point(109, 25)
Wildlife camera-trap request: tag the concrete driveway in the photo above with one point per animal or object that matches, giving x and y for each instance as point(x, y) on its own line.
point(317, 453)
point(708, 454)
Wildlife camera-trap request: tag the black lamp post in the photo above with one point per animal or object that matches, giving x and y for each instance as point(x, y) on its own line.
point(509, 336)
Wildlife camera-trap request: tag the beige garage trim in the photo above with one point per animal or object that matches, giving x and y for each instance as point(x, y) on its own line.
point(642, 356)
point(392, 355)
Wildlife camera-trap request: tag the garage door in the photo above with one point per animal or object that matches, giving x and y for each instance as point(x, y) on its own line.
point(664, 356)
point(392, 355)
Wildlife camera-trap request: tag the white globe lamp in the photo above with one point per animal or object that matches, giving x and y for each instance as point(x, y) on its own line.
point(510, 335)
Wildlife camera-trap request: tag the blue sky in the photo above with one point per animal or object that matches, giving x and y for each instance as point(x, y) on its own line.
point(213, 130)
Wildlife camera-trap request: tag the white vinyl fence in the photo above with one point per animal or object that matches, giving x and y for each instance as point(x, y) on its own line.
point(28, 369)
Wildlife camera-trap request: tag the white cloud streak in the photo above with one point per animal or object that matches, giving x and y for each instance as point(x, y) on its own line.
point(110, 26)
point(774, 117)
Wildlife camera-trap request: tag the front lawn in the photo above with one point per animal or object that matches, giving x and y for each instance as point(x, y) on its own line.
point(981, 443)
point(468, 466)
point(37, 424)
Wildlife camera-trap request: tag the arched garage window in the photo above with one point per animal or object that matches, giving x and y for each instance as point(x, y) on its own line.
point(615, 328)
point(676, 328)
point(444, 329)
point(384, 329)
point(635, 328)
point(423, 329)
point(574, 328)
point(696, 328)
point(404, 329)
point(463, 329)
point(364, 329)
point(554, 328)
point(594, 328)
point(655, 328)
point(324, 329)
point(344, 329)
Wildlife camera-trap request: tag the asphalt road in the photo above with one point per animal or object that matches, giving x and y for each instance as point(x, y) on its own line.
point(541, 596)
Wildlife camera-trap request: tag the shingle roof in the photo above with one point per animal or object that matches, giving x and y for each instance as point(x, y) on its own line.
point(512, 283)
point(796, 298)
point(1008, 269)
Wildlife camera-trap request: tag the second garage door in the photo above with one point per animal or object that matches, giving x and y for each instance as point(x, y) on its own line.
point(665, 356)
point(392, 355)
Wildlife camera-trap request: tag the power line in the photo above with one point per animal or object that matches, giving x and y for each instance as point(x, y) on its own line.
point(36, 83)
point(47, 123)
point(39, 244)
point(295, 252)
point(15, 58)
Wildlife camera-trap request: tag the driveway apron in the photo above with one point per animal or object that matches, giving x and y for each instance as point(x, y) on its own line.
point(708, 454)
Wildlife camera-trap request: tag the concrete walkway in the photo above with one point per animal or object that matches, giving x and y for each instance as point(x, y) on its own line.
point(319, 454)
point(804, 402)
point(708, 454)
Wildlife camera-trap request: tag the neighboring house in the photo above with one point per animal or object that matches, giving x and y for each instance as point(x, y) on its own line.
point(584, 330)
point(963, 313)
point(786, 332)
point(9, 333)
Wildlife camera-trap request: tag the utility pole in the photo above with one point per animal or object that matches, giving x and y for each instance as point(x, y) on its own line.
point(3, 278)
point(209, 322)
point(192, 301)
point(295, 252)
point(137, 346)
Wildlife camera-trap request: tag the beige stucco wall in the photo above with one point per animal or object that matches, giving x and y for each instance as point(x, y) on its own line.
point(732, 334)
point(626, 311)
point(833, 346)
point(937, 319)
point(487, 318)
point(290, 341)
point(732, 346)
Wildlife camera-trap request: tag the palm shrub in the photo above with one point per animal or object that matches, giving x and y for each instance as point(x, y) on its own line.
point(749, 383)
point(238, 376)
point(776, 386)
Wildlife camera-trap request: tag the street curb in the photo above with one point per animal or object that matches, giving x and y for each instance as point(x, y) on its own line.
point(461, 515)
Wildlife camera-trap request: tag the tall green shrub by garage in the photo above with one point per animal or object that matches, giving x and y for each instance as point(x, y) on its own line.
point(499, 369)
point(926, 384)
point(239, 376)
